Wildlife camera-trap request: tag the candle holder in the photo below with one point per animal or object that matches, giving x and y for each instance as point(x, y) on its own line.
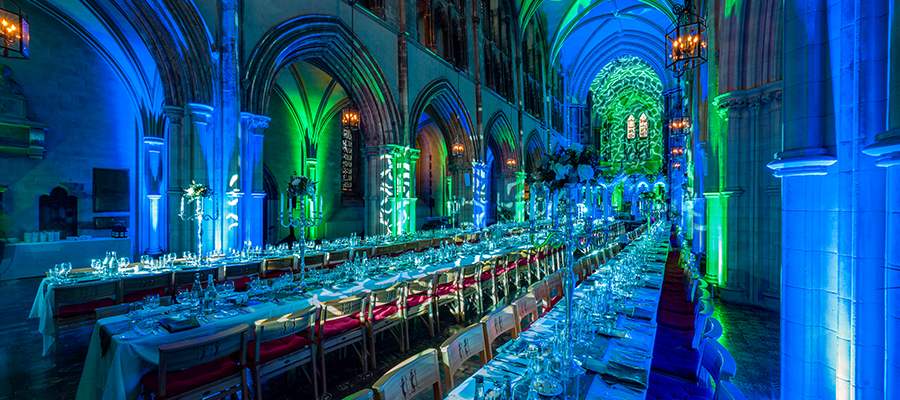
point(455, 207)
point(199, 215)
point(574, 227)
point(313, 220)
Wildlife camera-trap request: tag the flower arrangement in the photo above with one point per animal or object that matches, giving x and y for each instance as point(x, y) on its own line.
point(197, 191)
point(300, 186)
point(573, 164)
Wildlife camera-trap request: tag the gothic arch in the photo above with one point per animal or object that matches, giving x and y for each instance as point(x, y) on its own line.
point(327, 43)
point(534, 151)
point(500, 131)
point(444, 99)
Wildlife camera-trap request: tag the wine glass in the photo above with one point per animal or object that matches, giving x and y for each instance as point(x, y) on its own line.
point(67, 267)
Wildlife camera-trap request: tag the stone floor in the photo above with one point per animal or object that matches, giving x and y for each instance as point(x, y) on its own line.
point(751, 335)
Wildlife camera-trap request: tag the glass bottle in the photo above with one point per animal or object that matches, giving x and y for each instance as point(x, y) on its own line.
point(479, 387)
point(196, 292)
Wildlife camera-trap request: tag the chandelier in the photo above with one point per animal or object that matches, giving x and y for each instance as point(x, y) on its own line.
point(457, 147)
point(685, 39)
point(14, 31)
point(510, 164)
point(350, 118)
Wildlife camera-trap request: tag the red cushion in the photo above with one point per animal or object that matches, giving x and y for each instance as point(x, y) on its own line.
point(273, 349)
point(276, 273)
point(675, 321)
point(179, 382)
point(332, 265)
point(74, 310)
point(416, 299)
point(139, 295)
point(383, 311)
point(555, 300)
point(445, 289)
point(340, 325)
point(486, 276)
point(468, 282)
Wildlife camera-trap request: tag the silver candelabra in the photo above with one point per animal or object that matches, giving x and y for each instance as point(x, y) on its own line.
point(304, 222)
point(199, 215)
point(579, 209)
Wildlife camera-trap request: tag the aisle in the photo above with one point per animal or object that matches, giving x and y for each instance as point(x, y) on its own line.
point(753, 336)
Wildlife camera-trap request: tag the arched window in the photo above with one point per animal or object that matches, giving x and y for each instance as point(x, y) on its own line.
point(643, 127)
point(630, 127)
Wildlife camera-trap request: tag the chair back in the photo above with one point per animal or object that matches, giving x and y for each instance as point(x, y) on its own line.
point(122, 309)
point(368, 252)
point(145, 282)
point(496, 324)
point(524, 306)
point(421, 286)
point(410, 378)
point(290, 324)
point(382, 250)
point(339, 308)
point(459, 348)
point(449, 276)
point(554, 285)
point(541, 293)
point(181, 278)
point(717, 362)
point(85, 292)
point(395, 295)
point(314, 261)
point(276, 264)
point(338, 256)
point(181, 355)
point(241, 270)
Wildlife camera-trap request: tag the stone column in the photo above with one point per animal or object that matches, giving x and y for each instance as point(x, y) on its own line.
point(379, 189)
point(403, 163)
point(252, 220)
point(463, 189)
point(479, 199)
point(179, 144)
point(206, 153)
point(153, 173)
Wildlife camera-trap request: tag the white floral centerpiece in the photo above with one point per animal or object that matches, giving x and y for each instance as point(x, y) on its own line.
point(575, 164)
point(300, 186)
point(197, 191)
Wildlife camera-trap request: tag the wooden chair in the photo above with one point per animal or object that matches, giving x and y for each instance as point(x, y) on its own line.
point(184, 279)
point(502, 276)
point(397, 249)
point(314, 261)
point(135, 288)
point(468, 287)
point(75, 305)
point(459, 348)
point(410, 378)
point(342, 325)
point(525, 306)
point(183, 368)
point(382, 251)
point(365, 394)
point(122, 309)
point(336, 257)
point(284, 343)
point(275, 267)
point(487, 283)
point(419, 304)
point(555, 288)
point(367, 252)
point(447, 293)
point(384, 314)
point(523, 276)
point(541, 296)
point(496, 324)
point(241, 274)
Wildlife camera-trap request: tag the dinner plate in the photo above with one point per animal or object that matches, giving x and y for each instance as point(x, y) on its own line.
point(546, 387)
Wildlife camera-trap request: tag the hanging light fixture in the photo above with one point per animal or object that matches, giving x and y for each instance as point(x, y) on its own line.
point(510, 164)
point(350, 117)
point(458, 147)
point(14, 31)
point(685, 39)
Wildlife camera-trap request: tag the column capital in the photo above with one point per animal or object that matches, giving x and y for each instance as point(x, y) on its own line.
point(200, 113)
point(886, 148)
point(256, 124)
point(173, 113)
point(370, 151)
point(460, 167)
point(801, 162)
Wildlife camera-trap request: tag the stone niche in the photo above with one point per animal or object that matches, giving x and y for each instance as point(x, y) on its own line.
point(19, 136)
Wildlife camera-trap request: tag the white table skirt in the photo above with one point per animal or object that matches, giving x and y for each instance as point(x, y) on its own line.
point(117, 374)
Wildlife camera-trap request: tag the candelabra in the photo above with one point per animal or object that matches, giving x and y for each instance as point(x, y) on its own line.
point(455, 207)
point(572, 227)
point(304, 222)
point(199, 215)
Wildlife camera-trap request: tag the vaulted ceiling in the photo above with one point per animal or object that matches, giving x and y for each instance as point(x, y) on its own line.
point(585, 35)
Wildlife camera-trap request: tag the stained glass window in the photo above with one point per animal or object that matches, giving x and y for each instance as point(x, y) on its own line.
point(346, 159)
point(630, 126)
point(643, 130)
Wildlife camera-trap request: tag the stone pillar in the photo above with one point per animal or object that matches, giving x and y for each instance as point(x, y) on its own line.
point(179, 144)
point(607, 202)
point(520, 196)
point(252, 221)
point(403, 163)
point(479, 199)
point(463, 189)
point(153, 173)
point(379, 189)
point(206, 155)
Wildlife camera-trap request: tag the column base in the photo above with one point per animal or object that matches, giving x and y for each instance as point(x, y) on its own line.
point(730, 294)
point(154, 252)
point(772, 301)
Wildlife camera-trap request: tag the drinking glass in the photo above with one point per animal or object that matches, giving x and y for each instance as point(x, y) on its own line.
point(67, 267)
point(134, 313)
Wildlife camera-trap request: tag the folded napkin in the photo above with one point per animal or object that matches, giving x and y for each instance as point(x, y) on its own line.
point(107, 331)
point(625, 375)
point(178, 324)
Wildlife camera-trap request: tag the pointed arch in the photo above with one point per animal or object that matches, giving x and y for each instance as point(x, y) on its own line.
point(534, 151)
point(444, 99)
point(500, 133)
point(327, 43)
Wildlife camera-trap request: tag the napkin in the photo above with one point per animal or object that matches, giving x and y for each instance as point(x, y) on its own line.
point(107, 331)
point(178, 324)
point(625, 375)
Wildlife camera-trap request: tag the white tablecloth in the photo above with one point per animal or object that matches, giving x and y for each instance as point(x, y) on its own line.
point(30, 260)
point(117, 374)
point(640, 334)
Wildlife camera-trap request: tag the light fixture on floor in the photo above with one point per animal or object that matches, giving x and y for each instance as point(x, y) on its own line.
point(14, 31)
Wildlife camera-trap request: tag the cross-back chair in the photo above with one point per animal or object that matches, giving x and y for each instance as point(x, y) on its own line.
point(284, 343)
point(460, 347)
point(496, 324)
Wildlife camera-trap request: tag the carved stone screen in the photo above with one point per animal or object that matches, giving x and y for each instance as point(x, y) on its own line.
point(111, 190)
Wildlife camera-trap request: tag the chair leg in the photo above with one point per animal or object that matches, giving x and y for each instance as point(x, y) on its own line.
point(322, 364)
point(56, 342)
point(256, 380)
point(372, 347)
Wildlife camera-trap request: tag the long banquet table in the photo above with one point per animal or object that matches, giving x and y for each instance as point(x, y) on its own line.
point(116, 373)
point(636, 345)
